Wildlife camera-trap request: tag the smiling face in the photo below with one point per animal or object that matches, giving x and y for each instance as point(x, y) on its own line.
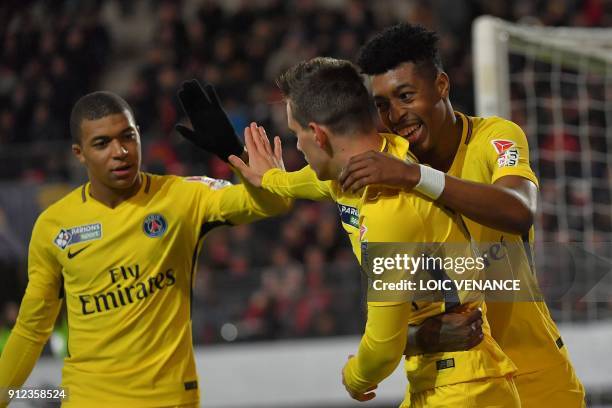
point(412, 104)
point(110, 150)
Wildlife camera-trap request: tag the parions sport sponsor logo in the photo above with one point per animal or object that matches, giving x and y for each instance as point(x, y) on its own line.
point(154, 225)
point(507, 153)
point(75, 235)
point(349, 215)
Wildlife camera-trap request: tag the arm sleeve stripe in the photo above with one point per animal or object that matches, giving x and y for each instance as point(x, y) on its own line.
point(527, 247)
point(194, 260)
point(209, 226)
point(62, 291)
point(204, 229)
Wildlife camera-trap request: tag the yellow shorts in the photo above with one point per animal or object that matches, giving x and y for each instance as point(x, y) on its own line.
point(556, 387)
point(489, 392)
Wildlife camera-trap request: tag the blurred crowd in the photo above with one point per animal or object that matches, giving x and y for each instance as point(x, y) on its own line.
point(278, 278)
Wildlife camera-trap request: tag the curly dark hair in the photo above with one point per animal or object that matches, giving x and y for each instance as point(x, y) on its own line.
point(398, 44)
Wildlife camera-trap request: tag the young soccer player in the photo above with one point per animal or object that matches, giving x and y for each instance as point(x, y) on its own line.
point(330, 111)
point(479, 168)
point(122, 251)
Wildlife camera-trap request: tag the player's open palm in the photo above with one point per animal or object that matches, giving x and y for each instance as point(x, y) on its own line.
point(261, 156)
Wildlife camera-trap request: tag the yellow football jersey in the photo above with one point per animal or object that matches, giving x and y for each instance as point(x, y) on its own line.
point(492, 148)
point(379, 214)
point(126, 274)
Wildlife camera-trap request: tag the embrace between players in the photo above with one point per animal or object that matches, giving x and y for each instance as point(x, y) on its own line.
point(511, 355)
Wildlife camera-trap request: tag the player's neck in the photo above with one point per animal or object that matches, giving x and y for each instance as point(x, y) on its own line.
point(443, 153)
point(351, 146)
point(112, 197)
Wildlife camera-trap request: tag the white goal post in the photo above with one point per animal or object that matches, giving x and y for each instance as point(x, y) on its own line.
point(556, 83)
point(493, 38)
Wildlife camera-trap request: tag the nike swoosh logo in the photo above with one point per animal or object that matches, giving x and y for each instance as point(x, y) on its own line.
point(73, 254)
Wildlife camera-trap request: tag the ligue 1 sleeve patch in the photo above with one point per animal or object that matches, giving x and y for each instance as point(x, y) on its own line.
point(507, 153)
point(501, 145)
point(74, 235)
point(214, 184)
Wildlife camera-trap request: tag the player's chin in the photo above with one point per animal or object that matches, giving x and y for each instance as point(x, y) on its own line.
point(123, 181)
point(420, 146)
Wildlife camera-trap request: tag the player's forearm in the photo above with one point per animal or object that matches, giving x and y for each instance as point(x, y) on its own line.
point(301, 184)
point(492, 205)
point(374, 362)
point(32, 330)
point(381, 347)
point(265, 203)
point(17, 361)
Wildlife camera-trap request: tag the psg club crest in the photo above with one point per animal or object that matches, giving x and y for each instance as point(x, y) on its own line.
point(154, 225)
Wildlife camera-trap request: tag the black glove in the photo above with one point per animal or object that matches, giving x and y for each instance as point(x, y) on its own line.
point(212, 130)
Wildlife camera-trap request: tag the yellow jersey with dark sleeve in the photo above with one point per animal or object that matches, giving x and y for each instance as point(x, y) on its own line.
point(380, 214)
point(490, 149)
point(126, 274)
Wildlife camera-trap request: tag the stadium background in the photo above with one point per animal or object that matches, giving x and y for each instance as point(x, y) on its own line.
point(277, 280)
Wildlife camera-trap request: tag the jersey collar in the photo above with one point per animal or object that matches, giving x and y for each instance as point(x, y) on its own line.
point(466, 136)
point(397, 146)
point(466, 128)
point(144, 189)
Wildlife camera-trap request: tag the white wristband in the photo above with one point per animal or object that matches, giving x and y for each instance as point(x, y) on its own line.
point(431, 183)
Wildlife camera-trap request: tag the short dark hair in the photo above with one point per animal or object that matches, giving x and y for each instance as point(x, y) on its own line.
point(95, 105)
point(399, 44)
point(330, 92)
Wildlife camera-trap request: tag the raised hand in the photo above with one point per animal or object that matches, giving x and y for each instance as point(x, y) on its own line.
point(212, 130)
point(261, 156)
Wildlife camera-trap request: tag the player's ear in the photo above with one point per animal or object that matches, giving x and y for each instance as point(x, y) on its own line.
point(77, 150)
point(442, 84)
point(320, 134)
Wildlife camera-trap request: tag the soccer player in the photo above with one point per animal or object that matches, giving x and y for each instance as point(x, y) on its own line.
point(479, 168)
point(330, 111)
point(122, 251)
